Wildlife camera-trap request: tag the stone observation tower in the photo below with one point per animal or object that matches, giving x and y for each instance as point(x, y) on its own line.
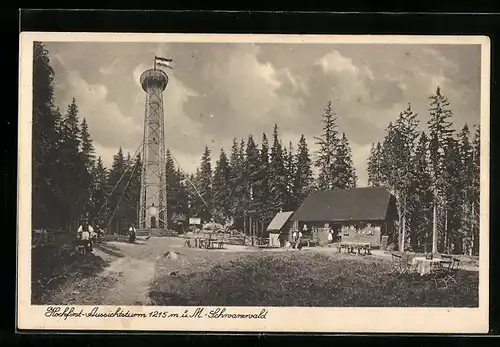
point(153, 199)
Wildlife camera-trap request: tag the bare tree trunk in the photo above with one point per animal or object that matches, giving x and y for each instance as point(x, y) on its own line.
point(446, 238)
point(472, 231)
point(434, 227)
point(403, 234)
point(251, 230)
point(244, 223)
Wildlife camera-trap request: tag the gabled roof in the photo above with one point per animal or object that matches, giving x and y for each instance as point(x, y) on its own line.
point(371, 203)
point(279, 220)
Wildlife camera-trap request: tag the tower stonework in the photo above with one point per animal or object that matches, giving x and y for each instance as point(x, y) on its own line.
point(153, 199)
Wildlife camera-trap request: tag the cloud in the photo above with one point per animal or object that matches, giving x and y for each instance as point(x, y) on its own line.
point(220, 91)
point(335, 62)
point(107, 124)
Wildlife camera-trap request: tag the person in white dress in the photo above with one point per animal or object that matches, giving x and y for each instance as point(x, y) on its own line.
point(86, 232)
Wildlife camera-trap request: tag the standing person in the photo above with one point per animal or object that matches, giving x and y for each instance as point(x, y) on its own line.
point(297, 244)
point(98, 232)
point(84, 232)
point(132, 235)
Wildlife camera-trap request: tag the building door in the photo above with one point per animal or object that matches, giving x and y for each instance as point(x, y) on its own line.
point(153, 222)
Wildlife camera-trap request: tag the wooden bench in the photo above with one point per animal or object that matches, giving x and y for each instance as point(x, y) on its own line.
point(355, 247)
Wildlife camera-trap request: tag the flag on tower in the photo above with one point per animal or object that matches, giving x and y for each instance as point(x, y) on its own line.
point(163, 62)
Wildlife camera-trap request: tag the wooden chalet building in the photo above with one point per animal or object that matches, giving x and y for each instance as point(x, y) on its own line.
point(353, 215)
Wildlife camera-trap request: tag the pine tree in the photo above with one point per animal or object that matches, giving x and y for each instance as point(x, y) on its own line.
point(439, 132)
point(236, 162)
point(221, 188)
point(453, 194)
point(87, 147)
point(204, 180)
point(99, 192)
point(303, 179)
point(396, 164)
point(173, 184)
point(375, 167)
point(277, 174)
point(466, 153)
point(88, 159)
point(74, 179)
point(46, 203)
point(129, 207)
point(346, 175)
point(263, 187)
point(291, 199)
point(252, 166)
point(328, 142)
point(476, 166)
point(116, 188)
point(420, 197)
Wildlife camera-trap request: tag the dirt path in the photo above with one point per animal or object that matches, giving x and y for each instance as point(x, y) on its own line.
point(125, 281)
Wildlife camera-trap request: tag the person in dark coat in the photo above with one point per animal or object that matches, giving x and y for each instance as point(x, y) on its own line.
point(132, 234)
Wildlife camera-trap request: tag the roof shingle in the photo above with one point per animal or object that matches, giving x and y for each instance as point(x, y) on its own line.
point(370, 203)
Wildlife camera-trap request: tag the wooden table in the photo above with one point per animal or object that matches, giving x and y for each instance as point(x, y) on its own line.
point(424, 266)
point(350, 247)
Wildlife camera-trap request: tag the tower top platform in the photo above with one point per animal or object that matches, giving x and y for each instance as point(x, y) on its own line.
point(154, 78)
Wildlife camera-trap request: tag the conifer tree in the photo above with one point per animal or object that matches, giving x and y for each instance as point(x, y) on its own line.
point(453, 194)
point(420, 197)
point(99, 191)
point(291, 200)
point(46, 203)
point(204, 180)
point(87, 147)
point(466, 153)
point(252, 166)
point(236, 163)
point(74, 180)
point(396, 163)
point(263, 188)
point(375, 169)
point(303, 179)
point(277, 174)
point(328, 142)
point(439, 132)
point(476, 166)
point(346, 174)
point(221, 188)
point(129, 206)
point(116, 187)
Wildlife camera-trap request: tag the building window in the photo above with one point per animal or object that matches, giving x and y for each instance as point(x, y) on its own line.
point(345, 231)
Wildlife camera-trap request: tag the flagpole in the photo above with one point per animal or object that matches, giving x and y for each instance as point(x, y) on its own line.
point(155, 63)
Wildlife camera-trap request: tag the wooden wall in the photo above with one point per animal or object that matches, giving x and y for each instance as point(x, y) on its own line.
point(363, 232)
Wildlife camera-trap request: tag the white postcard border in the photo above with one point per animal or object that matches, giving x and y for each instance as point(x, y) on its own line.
point(277, 319)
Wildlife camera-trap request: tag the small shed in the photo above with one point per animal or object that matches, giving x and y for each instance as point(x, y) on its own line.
point(279, 229)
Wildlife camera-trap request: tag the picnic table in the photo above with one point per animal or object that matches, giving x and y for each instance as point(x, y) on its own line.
point(425, 266)
point(207, 243)
point(355, 247)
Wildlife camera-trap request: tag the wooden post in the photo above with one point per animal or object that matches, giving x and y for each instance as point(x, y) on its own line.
point(434, 227)
point(245, 223)
point(251, 229)
point(446, 239)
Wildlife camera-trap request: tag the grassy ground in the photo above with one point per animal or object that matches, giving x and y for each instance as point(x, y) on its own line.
point(52, 266)
point(300, 279)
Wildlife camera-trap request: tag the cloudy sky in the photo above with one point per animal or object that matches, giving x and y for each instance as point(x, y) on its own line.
point(218, 91)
